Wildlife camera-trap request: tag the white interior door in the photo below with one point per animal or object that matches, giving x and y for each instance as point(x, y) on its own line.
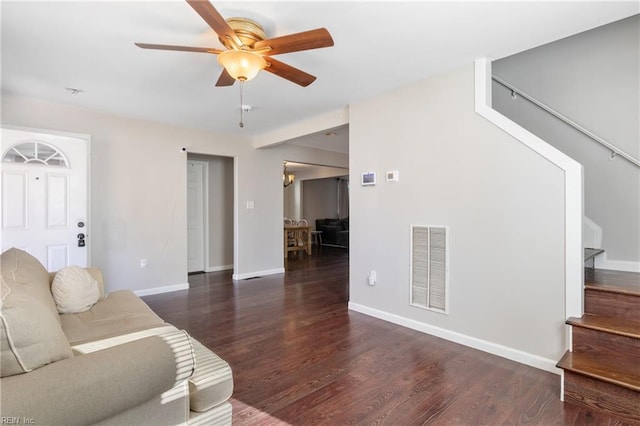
point(196, 174)
point(44, 196)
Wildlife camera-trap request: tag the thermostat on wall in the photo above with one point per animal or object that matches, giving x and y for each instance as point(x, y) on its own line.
point(392, 176)
point(368, 179)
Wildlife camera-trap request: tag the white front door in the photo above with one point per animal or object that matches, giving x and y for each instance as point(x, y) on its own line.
point(44, 197)
point(196, 174)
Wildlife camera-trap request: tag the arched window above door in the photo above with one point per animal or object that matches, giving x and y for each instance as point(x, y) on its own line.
point(35, 152)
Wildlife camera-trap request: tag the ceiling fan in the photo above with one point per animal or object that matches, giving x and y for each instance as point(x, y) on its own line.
point(248, 50)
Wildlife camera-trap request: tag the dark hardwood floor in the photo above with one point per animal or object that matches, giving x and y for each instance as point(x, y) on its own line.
point(300, 357)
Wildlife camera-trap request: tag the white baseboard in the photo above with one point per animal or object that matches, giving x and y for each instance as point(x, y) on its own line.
point(602, 262)
point(237, 277)
point(219, 268)
point(483, 345)
point(164, 289)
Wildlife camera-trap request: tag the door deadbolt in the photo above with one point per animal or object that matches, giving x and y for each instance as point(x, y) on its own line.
point(81, 241)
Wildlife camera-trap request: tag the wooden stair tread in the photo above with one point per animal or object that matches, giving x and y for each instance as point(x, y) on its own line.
point(619, 326)
point(614, 281)
point(624, 373)
point(613, 289)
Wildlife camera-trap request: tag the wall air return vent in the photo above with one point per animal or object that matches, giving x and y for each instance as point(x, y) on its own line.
point(429, 267)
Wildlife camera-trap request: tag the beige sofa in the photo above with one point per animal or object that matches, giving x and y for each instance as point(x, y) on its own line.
point(116, 363)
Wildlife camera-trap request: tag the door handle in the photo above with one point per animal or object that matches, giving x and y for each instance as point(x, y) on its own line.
point(81, 242)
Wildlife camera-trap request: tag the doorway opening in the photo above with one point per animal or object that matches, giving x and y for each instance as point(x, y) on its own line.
point(319, 196)
point(210, 198)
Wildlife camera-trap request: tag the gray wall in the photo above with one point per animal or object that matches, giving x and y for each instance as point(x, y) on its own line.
point(592, 78)
point(320, 199)
point(291, 196)
point(504, 205)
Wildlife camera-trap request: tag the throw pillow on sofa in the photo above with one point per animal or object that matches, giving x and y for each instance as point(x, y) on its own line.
point(30, 334)
point(30, 331)
point(74, 290)
point(26, 272)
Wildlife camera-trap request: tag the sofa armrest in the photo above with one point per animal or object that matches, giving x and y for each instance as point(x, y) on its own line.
point(89, 388)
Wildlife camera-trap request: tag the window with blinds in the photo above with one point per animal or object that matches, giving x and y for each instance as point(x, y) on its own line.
point(429, 269)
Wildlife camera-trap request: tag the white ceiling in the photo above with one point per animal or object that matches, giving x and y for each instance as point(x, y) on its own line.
point(49, 46)
point(334, 139)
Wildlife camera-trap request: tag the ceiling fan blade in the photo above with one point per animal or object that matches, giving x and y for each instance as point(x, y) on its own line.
point(215, 21)
point(225, 79)
point(288, 72)
point(178, 48)
point(312, 39)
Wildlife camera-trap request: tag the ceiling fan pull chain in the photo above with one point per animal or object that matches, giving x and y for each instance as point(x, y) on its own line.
point(241, 124)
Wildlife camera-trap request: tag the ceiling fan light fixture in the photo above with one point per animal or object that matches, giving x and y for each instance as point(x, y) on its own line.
point(247, 30)
point(242, 65)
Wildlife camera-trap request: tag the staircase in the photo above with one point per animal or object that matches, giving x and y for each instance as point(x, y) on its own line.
point(602, 372)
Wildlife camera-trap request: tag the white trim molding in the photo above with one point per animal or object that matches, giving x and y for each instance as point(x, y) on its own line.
point(218, 268)
point(472, 342)
point(591, 233)
point(603, 262)
point(163, 289)
point(573, 186)
point(238, 277)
